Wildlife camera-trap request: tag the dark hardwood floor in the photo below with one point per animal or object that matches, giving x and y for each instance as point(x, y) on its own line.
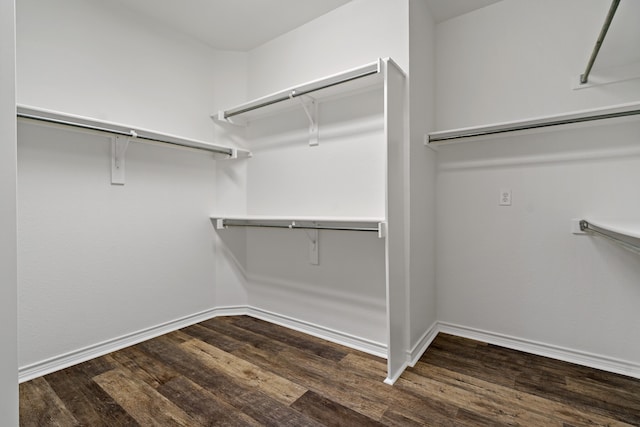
point(238, 371)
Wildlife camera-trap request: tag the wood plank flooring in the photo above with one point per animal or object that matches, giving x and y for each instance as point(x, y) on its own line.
point(239, 371)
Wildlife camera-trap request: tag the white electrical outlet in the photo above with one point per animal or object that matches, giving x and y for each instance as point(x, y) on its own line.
point(505, 197)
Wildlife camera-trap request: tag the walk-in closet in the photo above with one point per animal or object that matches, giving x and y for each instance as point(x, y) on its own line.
point(398, 188)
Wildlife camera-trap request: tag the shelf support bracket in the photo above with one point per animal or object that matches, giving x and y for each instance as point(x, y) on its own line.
point(119, 145)
point(428, 144)
point(382, 230)
point(314, 246)
point(312, 115)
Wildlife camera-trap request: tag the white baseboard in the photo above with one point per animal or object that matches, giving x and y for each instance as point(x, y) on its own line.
point(423, 343)
point(541, 349)
point(391, 380)
point(351, 341)
point(66, 360)
point(47, 366)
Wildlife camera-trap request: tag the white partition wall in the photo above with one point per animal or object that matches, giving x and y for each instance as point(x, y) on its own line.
point(422, 181)
point(8, 263)
point(396, 206)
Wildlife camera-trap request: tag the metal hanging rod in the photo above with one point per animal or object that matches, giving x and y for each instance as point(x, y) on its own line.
point(337, 225)
point(584, 78)
point(533, 124)
point(590, 228)
point(301, 90)
point(294, 94)
point(112, 128)
point(303, 227)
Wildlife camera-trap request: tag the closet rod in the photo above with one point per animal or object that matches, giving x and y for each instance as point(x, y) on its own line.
point(302, 227)
point(584, 78)
point(295, 93)
point(28, 113)
point(587, 227)
point(526, 126)
point(305, 227)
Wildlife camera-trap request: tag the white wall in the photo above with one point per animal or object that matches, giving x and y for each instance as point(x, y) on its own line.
point(519, 59)
point(92, 58)
point(518, 270)
point(342, 176)
point(8, 263)
point(98, 261)
point(422, 172)
point(355, 34)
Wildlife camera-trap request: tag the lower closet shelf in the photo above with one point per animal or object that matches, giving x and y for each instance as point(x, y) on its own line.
point(625, 233)
point(304, 223)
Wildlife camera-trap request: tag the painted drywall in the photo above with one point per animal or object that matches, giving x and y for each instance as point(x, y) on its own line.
point(517, 270)
point(96, 261)
point(286, 177)
point(94, 59)
point(355, 34)
point(520, 59)
point(422, 173)
point(8, 221)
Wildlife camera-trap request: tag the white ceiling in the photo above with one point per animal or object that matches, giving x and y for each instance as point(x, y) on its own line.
point(245, 24)
point(443, 10)
point(233, 24)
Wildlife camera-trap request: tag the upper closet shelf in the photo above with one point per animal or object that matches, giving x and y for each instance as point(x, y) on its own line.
point(454, 135)
point(131, 133)
point(305, 94)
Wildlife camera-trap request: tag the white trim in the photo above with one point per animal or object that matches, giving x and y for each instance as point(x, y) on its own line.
point(393, 379)
point(423, 344)
point(591, 360)
point(348, 340)
point(47, 366)
point(547, 350)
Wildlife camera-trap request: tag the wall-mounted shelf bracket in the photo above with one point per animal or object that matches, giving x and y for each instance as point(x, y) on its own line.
point(311, 112)
point(119, 145)
point(220, 116)
point(428, 145)
point(382, 230)
point(314, 246)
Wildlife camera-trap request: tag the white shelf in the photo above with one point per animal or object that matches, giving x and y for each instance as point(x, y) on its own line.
point(352, 80)
point(131, 132)
point(629, 228)
point(625, 233)
point(377, 225)
point(453, 135)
